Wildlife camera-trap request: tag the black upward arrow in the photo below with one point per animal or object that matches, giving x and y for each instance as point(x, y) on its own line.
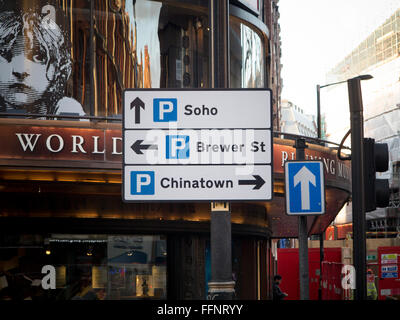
point(137, 147)
point(258, 182)
point(137, 104)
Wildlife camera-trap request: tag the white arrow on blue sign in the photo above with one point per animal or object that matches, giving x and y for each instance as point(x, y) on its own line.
point(304, 187)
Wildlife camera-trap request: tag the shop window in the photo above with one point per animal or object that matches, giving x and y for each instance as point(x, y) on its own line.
point(184, 48)
point(79, 56)
point(86, 267)
point(74, 58)
point(247, 56)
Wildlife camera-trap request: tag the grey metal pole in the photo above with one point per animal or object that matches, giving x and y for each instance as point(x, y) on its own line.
point(318, 111)
point(321, 258)
point(220, 56)
point(357, 178)
point(303, 232)
point(92, 46)
point(221, 286)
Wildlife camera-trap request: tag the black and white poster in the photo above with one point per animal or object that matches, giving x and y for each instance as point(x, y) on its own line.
point(35, 59)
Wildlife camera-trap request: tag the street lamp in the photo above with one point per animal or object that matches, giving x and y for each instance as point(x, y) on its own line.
point(357, 187)
point(362, 77)
point(319, 135)
point(319, 105)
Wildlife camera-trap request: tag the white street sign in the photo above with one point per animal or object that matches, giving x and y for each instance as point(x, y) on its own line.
point(204, 146)
point(197, 109)
point(197, 145)
point(190, 183)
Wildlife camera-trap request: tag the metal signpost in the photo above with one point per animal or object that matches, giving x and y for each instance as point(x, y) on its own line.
point(305, 195)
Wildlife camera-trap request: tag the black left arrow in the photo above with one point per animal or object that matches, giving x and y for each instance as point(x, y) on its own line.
point(258, 182)
point(137, 104)
point(137, 147)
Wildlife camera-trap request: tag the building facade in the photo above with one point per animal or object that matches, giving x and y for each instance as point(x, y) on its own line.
point(377, 55)
point(64, 66)
point(294, 120)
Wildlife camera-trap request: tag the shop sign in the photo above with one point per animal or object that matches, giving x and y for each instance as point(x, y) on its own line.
point(371, 257)
point(389, 275)
point(389, 258)
point(60, 143)
point(386, 292)
point(333, 167)
point(188, 145)
point(389, 268)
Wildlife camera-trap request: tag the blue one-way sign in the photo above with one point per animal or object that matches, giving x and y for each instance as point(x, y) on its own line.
point(304, 187)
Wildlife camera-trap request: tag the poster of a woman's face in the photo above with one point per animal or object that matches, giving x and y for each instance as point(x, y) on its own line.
point(35, 63)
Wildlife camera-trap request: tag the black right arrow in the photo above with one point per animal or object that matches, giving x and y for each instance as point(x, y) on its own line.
point(137, 147)
point(258, 182)
point(137, 104)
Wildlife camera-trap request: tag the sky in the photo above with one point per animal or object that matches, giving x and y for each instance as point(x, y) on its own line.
point(318, 34)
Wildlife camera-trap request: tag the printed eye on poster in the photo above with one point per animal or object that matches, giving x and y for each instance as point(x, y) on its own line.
point(35, 59)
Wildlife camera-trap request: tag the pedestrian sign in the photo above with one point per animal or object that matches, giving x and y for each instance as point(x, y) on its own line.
point(304, 188)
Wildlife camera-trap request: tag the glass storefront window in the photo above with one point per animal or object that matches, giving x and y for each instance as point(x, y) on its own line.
point(74, 58)
point(147, 44)
point(184, 44)
point(247, 56)
point(86, 267)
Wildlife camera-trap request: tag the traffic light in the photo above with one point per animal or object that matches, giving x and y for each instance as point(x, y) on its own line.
point(376, 159)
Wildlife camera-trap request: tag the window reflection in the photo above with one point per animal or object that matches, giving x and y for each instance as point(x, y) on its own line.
point(184, 41)
point(95, 49)
point(147, 44)
point(247, 57)
point(146, 17)
point(83, 54)
point(87, 267)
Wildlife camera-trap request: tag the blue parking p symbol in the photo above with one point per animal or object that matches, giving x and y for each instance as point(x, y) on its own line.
point(142, 182)
point(165, 110)
point(177, 147)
